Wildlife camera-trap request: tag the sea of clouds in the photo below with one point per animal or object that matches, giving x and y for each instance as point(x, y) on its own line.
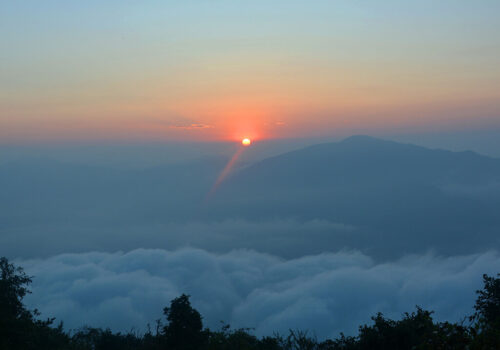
point(325, 293)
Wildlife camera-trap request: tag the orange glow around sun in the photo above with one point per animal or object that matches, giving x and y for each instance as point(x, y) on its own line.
point(246, 142)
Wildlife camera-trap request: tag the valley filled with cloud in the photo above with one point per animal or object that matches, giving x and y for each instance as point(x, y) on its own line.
point(326, 293)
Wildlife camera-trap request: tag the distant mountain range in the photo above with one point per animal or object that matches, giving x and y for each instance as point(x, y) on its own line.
point(394, 192)
point(397, 198)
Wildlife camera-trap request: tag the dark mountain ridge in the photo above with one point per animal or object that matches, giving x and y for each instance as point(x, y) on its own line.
point(364, 156)
point(415, 198)
point(390, 191)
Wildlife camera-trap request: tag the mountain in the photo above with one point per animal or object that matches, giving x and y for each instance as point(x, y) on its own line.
point(47, 191)
point(372, 161)
point(384, 198)
point(421, 198)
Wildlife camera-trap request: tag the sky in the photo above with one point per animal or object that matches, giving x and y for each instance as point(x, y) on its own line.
point(223, 70)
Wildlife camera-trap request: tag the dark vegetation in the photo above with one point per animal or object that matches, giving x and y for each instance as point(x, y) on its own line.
point(183, 329)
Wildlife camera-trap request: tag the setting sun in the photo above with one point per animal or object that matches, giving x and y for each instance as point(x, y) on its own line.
point(246, 142)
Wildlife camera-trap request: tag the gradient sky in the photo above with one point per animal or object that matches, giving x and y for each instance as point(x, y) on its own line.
point(223, 70)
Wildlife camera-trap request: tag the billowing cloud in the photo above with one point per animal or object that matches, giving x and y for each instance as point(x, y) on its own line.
point(327, 293)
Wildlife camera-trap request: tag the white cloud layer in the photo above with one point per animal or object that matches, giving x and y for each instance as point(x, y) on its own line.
point(328, 293)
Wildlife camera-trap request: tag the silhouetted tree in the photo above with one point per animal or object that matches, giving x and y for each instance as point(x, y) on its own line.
point(13, 288)
point(242, 339)
point(297, 340)
point(486, 327)
point(98, 339)
point(414, 331)
point(185, 327)
point(19, 328)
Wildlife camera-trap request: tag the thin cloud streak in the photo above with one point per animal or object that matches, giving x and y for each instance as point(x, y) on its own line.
point(194, 126)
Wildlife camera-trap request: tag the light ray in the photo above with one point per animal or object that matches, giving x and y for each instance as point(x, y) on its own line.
point(227, 169)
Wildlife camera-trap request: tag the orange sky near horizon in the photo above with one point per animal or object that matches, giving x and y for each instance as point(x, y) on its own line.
point(200, 72)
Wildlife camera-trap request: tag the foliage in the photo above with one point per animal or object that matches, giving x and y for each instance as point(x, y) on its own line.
point(19, 328)
point(486, 327)
point(184, 322)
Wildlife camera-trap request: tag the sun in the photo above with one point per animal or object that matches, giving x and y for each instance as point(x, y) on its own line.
point(246, 142)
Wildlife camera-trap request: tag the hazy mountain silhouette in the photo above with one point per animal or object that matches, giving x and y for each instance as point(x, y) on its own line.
point(46, 190)
point(370, 160)
point(392, 192)
point(393, 198)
